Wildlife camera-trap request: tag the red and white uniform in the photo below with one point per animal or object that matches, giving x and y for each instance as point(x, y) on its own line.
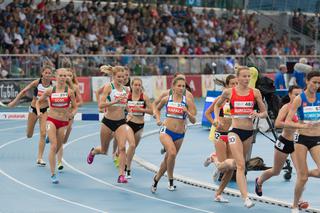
point(132, 104)
point(59, 99)
point(241, 106)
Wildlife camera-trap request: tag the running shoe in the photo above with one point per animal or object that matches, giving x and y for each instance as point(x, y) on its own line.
point(162, 151)
point(171, 187)
point(207, 161)
point(154, 185)
point(303, 204)
point(153, 189)
point(90, 157)
point(122, 179)
point(221, 199)
point(60, 167)
point(258, 188)
point(47, 139)
point(248, 203)
point(128, 174)
point(54, 179)
point(40, 162)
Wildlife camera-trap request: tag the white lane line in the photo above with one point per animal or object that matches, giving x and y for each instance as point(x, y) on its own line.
point(122, 188)
point(50, 195)
point(38, 190)
point(17, 127)
point(14, 141)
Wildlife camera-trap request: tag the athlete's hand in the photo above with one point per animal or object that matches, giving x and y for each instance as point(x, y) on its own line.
point(311, 125)
point(254, 114)
point(39, 114)
point(216, 123)
point(129, 117)
point(185, 109)
point(70, 115)
point(159, 123)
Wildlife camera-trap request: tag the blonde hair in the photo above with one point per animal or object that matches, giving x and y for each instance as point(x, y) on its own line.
point(240, 68)
point(176, 79)
point(60, 69)
point(110, 70)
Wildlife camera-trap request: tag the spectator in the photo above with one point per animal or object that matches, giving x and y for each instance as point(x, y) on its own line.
point(299, 76)
point(279, 81)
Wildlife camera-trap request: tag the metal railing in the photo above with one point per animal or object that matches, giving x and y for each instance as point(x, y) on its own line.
point(284, 5)
point(88, 65)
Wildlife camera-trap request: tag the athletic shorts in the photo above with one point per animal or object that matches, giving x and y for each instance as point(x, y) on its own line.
point(34, 110)
point(135, 126)
point(58, 124)
point(308, 141)
point(242, 133)
point(112, 124)
point(175, 136)
point(284, 145)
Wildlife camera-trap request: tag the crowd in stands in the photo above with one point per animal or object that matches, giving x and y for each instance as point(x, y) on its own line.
point(51, 28)
point(92, 28)
point(304, 23)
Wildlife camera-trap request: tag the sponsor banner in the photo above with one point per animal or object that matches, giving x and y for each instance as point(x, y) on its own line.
point(24, 116)
point(159, 85)
point(10, 88)
point(194, 81)
point(13, 116)
point(85, 88)
point(97, 83)
point(148, 85)
point(207, 84)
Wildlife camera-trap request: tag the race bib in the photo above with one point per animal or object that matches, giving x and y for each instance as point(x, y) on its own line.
point(295, 137)
point(217, 135)
point(279, 145)
point(48, 127)
point(232, 139)
point(163, 129)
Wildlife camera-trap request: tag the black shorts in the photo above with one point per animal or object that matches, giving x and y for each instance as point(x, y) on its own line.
point(308, 141)
point(112, 124)
point(283, 145)
point(242, 133)
point(135, 127)
point(34, 110)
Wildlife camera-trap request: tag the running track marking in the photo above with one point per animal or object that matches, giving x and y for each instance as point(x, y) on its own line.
point(17, 127)
point(122, 188)
point(38, 190)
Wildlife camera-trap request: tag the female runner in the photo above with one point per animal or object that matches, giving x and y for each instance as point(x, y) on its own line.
point(60, 97)
point(38, 86)
point(242, 99)
point(172, 131)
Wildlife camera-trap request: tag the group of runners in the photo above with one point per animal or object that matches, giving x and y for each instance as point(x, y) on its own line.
point(232, 133)
point(124, 104)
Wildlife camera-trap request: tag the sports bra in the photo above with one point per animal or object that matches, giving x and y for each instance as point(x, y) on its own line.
point(60, 99)
point(39, 90)
point(116, 95)
point(175, 109)
point(241, 106)
point(136, 103)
